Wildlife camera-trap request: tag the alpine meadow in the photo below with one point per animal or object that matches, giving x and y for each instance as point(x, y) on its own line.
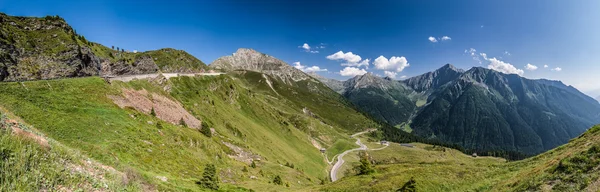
point(299, 96)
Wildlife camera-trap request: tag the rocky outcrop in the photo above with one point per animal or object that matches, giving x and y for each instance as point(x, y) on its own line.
point(251, 60)
point(48, 48)
point(142, 65)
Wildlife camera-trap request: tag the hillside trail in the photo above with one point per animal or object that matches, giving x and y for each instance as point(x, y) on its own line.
point(340, 157)
point(127, 78)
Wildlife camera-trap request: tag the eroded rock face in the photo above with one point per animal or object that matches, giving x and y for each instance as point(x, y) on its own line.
point(165, 108)
point(142, 65)
point(251, 60)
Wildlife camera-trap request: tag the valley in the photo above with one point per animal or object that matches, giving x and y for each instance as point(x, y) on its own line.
point(76, 115)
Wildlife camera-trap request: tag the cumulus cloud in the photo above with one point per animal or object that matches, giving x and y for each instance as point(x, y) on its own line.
point(435, 40)
point(531, 67)
point(390, 74)
point(307, 48)
point(305, 68)
point(403, 77)
point(506, 53)
point(503, 67)
point(546, 66)
point(352, 71)
point(557, 69)
point(348, 56)
point(432, 39)
point(396, 64)
point(351, 59)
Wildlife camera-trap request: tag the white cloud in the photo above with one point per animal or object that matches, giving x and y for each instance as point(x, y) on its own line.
point(432, 39)
point(352, 71)
point(348, 56)
point(473, 53)
point(393, 64)
point(314, 69)
point(446, 38)
point(403, 77)
point(390, 74)
point(557, 69)
point(483, 55)
point(546, 66)
point(362, 63)
point(531, 67)
point(506, 53)
point(504, 67)
point(306, 46)
point(304, 68)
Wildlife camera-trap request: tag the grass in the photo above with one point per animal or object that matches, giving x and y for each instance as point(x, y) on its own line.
point(571, 167)
point(77, 113)
point(434, 169)
point(27, 166)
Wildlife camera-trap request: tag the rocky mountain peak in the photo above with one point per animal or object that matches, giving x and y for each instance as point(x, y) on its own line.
point(252, 60)
point(368, 80)
point(434, 79)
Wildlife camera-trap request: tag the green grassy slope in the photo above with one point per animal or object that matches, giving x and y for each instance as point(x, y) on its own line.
point(571, 167)
point(243, 111)
point(26, 165)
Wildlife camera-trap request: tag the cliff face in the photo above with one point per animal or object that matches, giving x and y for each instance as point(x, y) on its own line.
point(47, 48)
point(42, 48)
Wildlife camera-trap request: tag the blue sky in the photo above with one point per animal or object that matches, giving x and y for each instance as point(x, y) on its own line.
point(512, 33)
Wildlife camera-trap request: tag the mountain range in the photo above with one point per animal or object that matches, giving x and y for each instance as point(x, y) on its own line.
point(480, 109)
point(263, 125)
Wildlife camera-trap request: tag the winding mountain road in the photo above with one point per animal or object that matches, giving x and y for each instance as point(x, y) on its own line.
point(340, 157)
point(127, 78)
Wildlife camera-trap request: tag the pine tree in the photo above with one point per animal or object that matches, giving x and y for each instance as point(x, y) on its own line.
point(182, 122)
point(410, 186)
point(210, 179)
point(277, 180)
point(152, 112)
point(365, 167)
point(205, 129)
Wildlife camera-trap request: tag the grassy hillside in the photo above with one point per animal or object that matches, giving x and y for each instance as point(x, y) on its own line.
point(29, 161)
point(249, 118)
point(434, 169)
point(571, 167)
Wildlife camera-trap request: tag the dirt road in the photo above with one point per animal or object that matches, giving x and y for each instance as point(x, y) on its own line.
point(340, 157)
